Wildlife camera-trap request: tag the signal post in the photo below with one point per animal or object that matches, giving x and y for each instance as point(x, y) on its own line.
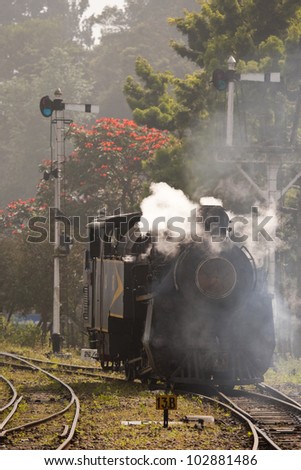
point(47, 108)
point(59, 125)
point(273, 156)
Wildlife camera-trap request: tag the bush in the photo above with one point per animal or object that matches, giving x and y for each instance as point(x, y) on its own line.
point(20, 334)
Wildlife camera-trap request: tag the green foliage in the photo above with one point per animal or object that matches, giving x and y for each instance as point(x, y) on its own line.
point(169, 166)
point(264, 37)
point(20, 334)
point(240, 28)
point(165, 102)
point(218, 30)
point(155, 84)
point(151, 105)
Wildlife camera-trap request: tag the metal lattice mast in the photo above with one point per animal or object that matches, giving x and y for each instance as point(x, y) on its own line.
point(272, 156)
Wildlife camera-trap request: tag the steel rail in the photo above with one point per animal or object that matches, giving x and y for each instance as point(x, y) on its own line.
point(282, 402)
point(62, 364)
point(274, 392)
point(14, 393)
point(247, 415)
point(234, 411)
point(73, 400)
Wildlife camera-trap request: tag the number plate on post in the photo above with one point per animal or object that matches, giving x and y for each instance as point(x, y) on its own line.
point(166, 402)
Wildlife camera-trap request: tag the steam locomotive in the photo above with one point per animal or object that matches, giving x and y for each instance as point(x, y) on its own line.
point(200, 314)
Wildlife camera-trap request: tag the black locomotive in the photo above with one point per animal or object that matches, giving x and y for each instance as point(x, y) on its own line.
point(200, 314)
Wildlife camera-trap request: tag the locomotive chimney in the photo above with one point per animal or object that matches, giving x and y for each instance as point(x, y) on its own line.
point(216, 220)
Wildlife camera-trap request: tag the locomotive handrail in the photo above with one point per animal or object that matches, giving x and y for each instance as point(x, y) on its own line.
point(252, 261)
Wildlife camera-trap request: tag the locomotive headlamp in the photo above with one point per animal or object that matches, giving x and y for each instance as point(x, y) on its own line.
point(216, 278)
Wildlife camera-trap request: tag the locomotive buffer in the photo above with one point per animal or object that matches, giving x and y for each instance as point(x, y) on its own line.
point(47, 108)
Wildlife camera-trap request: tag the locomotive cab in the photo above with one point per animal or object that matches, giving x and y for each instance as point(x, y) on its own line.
point(116, 284)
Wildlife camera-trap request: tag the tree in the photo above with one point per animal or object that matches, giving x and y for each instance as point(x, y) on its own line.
point(42, 47)
point(68, 13)
point(164, 101)
point(261, 42)
point(141, 29)
point(107, 166)
point(262, 38)
point(246, 29)
point(24, 132)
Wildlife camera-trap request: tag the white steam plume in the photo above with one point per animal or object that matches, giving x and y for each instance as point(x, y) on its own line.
point(165, 213)
point(210, 201)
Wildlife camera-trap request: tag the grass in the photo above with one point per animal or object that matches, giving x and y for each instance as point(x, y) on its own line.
point(112, 404)
point(285, 375)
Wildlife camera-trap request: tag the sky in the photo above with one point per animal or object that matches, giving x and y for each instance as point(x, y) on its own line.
point(96, 6)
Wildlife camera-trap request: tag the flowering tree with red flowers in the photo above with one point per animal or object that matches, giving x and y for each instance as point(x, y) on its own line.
point(109, 168)
point(108, 165)
point(14, 219)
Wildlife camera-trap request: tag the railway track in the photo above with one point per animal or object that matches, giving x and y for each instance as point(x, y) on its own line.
point(47, 406)
point(276, 417)
point(251, 430)
point(23, 404)
point(44, 416)
point(66, 369)
point(55, 366)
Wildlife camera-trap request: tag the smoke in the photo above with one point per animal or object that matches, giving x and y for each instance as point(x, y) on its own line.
point(210, 201)
point(257, 231)
point(166, 214)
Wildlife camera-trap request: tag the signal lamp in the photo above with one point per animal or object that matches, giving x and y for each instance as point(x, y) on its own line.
point(46, 175)
point(46, 106)
point(220, 79)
